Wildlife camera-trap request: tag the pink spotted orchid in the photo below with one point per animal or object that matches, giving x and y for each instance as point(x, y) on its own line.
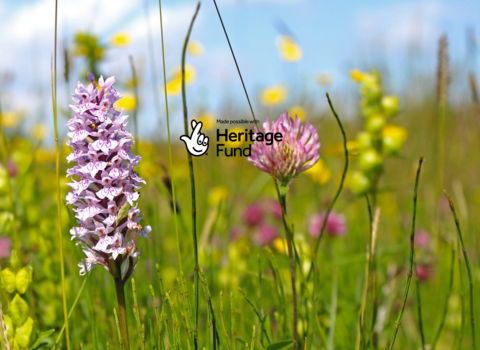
point(104, 182)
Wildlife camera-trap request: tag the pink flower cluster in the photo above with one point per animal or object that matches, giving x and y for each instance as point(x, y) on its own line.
point(336, 224)
point(104, 182)
point(297, 152)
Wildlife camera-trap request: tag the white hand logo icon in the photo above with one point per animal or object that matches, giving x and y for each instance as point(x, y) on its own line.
point(197, 143)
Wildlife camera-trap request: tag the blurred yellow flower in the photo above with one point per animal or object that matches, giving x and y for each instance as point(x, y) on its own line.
point(11, 119)
point(43, 155)
point(280, 245)
point(273, 95)
point(320, 172)
point(395, 131)
point(195, 48)
point(127, 102)
point(190, 74)
point(289, 49)
point(357, 76)
point(217, 195)
point(174, 86)
point(121, 39)
point(299, 111)
point(40, 131)
point(324, 79)
point(208, 120)
point(336, 149)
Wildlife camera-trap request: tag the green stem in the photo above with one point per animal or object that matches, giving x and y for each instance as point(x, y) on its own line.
point(116, 267)
point(192, 176)
point(344, 174)
point(469, 270)
point(169, 141)
point(445, 308)
point(419, 308)
point(236, 64)
point(282, 198)
point(57, 166)
point(412, 255)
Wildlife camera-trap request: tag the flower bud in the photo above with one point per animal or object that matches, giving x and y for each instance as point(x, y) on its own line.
point(364, 140)
point(359, 183)
point(23, 279)
point(370, 160)
point(390, 105)
point(7, 280)
point(375, 124)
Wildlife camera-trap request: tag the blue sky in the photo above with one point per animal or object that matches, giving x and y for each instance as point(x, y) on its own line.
point(335, 36)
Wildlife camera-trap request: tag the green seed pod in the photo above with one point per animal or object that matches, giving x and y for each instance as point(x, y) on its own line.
point(390, 105)
point(359, 183)
point(7, 280)
point(18, 310)
point(375, 124)
point(370, 160)
point(364, 140)
point(391, 146)
point(23, 333)
point(23, 279)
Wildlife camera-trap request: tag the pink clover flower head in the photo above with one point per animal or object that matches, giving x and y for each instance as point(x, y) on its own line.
point(253, 215)
point(297, 152)
point(266, 234)
point(103, 179)
point(424, 272)
point(336, 224)
point(422, 238)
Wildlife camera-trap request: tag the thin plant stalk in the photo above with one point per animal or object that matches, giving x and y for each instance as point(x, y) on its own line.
point(412, 255)
point(57, 168)
point(419, 307)
point(282, 198)
point(333, 310)
point(116, 270)
point(151, 54)
point(447, 298)
point(169, 141)
point(135, 110)
point(5, 342)
point(344, 174)
point(236, 64)
point(3, 149)
point(192, 175)
point(469, 270)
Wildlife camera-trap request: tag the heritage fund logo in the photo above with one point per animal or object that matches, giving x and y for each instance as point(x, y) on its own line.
point(197, 143)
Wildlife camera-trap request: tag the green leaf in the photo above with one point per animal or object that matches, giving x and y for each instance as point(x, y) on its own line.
point(284, 190)
point(243, 341)
point(18, 310)
point(280, 345)
point(23, 279)
point(38, 343)
point(22, 335)
point(7, 280)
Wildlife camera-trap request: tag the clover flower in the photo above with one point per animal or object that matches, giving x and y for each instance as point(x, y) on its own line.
point(104, 182)
point(336, 224)
point(297, 152)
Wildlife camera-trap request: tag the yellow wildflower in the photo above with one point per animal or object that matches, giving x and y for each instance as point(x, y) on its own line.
point(320, 172)
point(11, 119)
point(208, 120)
point(289, 49)
point(273, 95)
point(40, 131)
point(357, 76)
point(174, 86)
point(127, 102)
point(121, 39)
point(395, 131)
point(190, 74)
point(217, 195)
point(195, 48)
point(280, 245)
point(299, 111)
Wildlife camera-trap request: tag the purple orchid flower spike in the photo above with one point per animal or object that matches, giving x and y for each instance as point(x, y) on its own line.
point(103, 180)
